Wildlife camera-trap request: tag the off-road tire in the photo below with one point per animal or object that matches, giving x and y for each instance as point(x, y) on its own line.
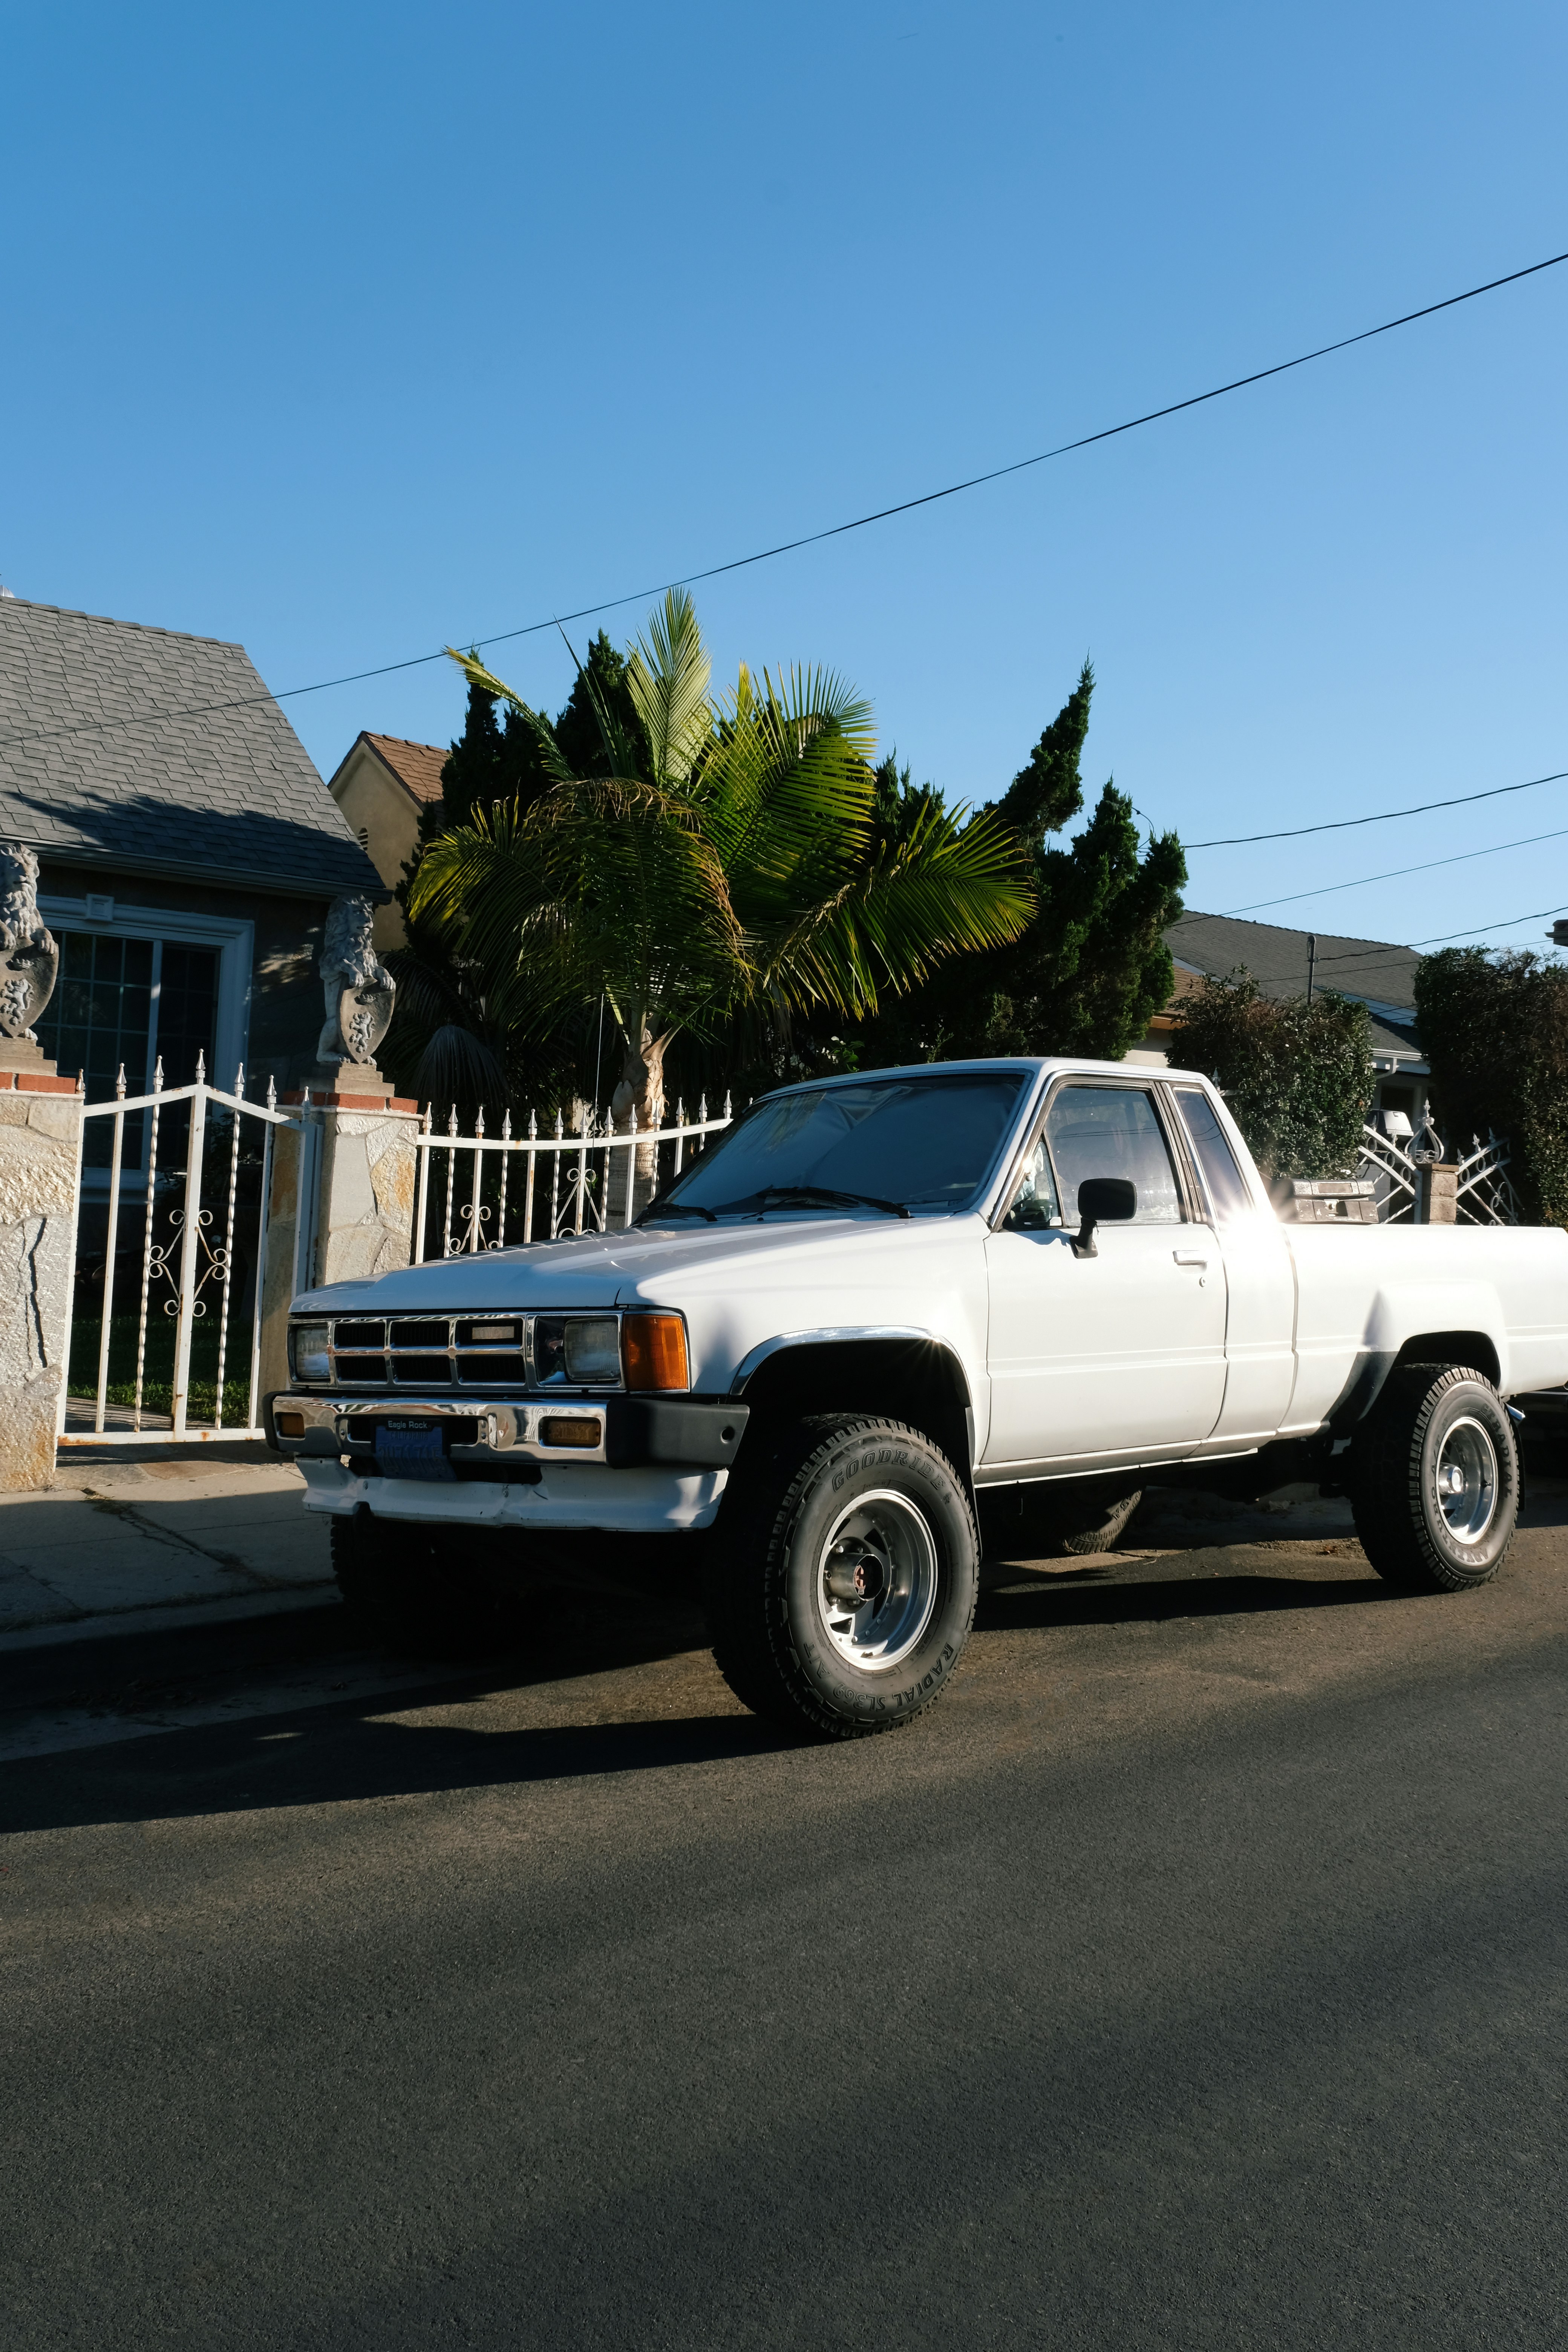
point(1392, 1482)
point(763, 1561)
point(415, 1590)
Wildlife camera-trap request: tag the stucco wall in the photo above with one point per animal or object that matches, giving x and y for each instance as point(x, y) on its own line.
point(387, 823)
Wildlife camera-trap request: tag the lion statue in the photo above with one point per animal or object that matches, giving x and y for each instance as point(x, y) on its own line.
point(29, 959)
point(356, 985)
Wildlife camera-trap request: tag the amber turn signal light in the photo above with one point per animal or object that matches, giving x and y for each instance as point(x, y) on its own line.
point(653, 1351)
point(569, 1433)
point(289, 1425)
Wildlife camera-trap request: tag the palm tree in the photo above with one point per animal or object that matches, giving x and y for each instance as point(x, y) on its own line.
point(730, 863)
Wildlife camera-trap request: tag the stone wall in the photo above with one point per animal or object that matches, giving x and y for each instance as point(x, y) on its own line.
point(364, 1220)
point(40, 1129)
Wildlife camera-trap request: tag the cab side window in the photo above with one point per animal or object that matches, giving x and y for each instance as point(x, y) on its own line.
point(1223, 1179)
point(1113, 1131)
point(1035, 1203)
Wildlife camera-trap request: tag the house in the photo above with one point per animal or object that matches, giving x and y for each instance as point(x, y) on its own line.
point(188, 850)
point(1378, 973)
point(381, 786)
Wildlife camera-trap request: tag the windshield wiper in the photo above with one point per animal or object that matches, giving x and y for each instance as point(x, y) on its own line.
point(673, 1209)
point(813, 1196)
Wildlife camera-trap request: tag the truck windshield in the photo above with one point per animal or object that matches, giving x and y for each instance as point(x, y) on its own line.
point(926, 1143)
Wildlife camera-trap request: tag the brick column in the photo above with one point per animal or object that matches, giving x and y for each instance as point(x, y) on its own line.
point(351, 1182)
point(40, 1154)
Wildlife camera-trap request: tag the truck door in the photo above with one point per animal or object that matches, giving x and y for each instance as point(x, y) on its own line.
point(1120, 1354)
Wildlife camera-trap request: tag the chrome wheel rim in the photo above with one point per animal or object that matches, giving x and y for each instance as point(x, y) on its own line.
point(876, 1580)
point(1467, 1480)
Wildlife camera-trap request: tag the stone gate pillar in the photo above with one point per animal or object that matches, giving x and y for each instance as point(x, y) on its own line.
point(341, 1207)
point(40, 1153)
point(41, 1178)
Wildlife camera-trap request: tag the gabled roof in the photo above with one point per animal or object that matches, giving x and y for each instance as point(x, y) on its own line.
point(1381, 973)
point(146, 751)
point(1374, 970)
point(416, 766)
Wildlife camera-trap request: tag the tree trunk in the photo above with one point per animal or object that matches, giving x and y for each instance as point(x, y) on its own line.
point(641, 1087)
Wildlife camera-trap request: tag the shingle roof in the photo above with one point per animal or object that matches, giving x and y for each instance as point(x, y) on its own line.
point(151, 752)
point(417, 766)
point(1381, 973)
point(1277, 959)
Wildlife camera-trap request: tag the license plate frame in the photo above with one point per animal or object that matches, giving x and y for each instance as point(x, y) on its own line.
point(413, 1449)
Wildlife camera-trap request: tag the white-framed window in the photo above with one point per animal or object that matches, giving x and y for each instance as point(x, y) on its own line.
point(141, 984)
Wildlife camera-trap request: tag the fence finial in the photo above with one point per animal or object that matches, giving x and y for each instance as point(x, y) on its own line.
point(452, 1120)
point(81, 1082)
point(271, 1092)
point(532, 1125)
point(158, 1076)
point(201, 1067)
point(702, 1110)
point(506, 1129)
point(239, 1080)
point(479, 1121)
point(728, 1112)
point(119, 1084)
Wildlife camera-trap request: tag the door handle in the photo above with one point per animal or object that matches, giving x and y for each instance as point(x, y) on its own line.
point(1189, 1257)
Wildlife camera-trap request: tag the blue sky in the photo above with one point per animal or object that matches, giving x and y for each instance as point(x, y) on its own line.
point(348, 331)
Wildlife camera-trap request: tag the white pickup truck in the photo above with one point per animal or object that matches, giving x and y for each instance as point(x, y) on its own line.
point(887, 1312)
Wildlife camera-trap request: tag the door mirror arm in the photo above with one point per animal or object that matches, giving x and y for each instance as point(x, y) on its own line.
point(1101, 1200)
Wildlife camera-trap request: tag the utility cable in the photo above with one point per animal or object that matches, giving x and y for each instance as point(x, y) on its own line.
point(1383, 816)
point(837, 530)
point(1394, 874)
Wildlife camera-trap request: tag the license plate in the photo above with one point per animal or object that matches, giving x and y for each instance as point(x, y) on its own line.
point(411, 1449)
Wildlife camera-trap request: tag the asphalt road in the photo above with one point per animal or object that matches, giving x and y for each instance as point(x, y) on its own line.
point(1197, 1974)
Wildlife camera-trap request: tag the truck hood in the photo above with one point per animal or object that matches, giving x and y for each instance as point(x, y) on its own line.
point(653, 1265)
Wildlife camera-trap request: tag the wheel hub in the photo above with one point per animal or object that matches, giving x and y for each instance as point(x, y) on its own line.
point(1467, 1480)
point(876, 1580)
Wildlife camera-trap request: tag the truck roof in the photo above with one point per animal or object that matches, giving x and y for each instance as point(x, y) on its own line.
point(1025, 1064)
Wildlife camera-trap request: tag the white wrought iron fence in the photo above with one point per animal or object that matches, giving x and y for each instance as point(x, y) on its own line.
point(1485, 1194)
point(190, 1164)
point(499, 1188)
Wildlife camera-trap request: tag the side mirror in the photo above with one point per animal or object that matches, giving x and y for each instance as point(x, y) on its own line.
point(1102, 1200)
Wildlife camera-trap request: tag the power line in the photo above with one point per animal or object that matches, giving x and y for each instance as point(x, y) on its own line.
point(1396, 873)
point(1440, 938)
point(1383, 816)
point(837, 530)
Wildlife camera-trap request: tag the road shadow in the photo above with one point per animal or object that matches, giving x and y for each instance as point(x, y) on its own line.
point(1117, 1596)
point(335, 1755)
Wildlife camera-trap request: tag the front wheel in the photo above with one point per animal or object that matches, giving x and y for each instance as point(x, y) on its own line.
point(1435, 1479)
point(841, 1590)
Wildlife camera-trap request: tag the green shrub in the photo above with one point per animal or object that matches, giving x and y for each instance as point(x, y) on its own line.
point(1495, 1032)
point(1296, 1073)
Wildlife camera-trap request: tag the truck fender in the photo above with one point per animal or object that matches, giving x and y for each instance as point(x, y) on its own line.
point(1450, 1315)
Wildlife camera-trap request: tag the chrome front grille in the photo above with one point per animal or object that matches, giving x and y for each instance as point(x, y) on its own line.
point(431, 1352)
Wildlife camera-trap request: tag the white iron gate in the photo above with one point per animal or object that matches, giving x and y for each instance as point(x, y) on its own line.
point(1485, 1195)
point(171, 1214)
point(548, 1185)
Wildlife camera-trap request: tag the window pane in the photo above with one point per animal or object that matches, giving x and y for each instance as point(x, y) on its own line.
point(1113, 1131)
point(927, 1142)
point(94, 1021)
point(1035, 1203)
point(1221, 1177)
point(187, 1004)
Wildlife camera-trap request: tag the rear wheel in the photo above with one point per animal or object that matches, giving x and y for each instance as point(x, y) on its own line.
point(841, 1587)
point(1435, 1479)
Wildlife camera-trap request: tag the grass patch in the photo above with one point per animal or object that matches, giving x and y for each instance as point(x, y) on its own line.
point(158, 1367)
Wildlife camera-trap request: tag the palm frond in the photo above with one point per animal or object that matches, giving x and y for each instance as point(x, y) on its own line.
point(476, 672)
point(669, 685)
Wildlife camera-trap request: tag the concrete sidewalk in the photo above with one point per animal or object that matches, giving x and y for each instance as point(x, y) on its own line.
point(132, 1537)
